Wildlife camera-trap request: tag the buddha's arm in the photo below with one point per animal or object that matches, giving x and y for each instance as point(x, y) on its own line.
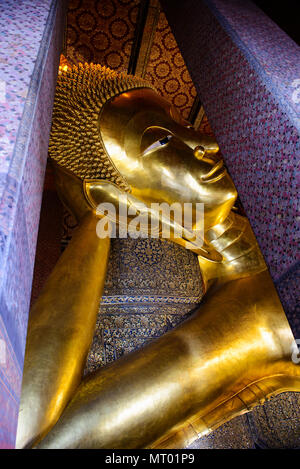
point(229, 356)
point(60, 331)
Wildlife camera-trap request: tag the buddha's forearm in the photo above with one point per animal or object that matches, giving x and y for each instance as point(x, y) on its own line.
point(60, 331)
point(238, 337)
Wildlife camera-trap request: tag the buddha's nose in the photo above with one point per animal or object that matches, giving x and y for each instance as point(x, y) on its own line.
point(216, 168)
point(206, 141)
point(201, 154)
point(193, 138)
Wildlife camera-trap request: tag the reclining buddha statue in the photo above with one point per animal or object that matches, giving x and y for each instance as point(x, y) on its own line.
point(113, 135)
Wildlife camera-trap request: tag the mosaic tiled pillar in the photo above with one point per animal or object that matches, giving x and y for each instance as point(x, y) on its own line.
point(31, 41)
point(247, 73)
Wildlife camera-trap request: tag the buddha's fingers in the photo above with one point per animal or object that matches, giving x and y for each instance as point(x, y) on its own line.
point(60, 331)
point(239, 337)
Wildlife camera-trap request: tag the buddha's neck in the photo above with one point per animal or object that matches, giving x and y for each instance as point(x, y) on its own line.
point(234, 240)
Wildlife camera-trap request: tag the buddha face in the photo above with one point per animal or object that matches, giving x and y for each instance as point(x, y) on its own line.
point(106, 144)
point(162, 158)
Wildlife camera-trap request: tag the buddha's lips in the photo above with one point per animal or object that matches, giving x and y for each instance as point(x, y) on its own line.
point(216, 172)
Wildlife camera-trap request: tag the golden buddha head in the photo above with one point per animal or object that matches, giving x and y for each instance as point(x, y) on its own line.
point(114, 130)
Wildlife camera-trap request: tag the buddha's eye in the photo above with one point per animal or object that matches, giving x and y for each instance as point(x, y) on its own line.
point(158, 144)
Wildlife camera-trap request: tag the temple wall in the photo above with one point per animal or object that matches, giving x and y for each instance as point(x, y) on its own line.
point(29, 56)
point(247, 73)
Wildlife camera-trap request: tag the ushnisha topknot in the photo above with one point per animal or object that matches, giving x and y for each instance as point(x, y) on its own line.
point(75, 142)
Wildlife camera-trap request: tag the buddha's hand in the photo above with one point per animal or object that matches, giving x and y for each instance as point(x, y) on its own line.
point(110, 204)
point(101, 197)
